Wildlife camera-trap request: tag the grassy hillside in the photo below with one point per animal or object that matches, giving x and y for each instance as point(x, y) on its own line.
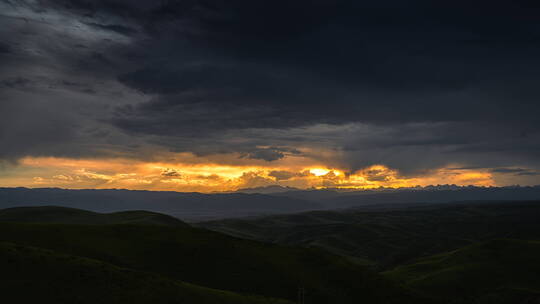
point(33, 275)
point(497, 271)
point(213, 260)
point(396, 236)
point(54, 214)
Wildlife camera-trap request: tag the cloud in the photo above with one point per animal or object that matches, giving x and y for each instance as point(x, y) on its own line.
point(379, 174)
point(528, 173)
point(207, 177)
point(509, 170)
point(282, 175)
point(15, 83)
point(5, 48)
point(415, 87)
point(121, 29)
point(170, 173)
point(516, 171)
point(266, 154)
point(270, 153)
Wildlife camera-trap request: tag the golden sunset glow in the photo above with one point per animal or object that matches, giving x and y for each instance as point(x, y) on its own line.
point(318, 171)
point(209, 176)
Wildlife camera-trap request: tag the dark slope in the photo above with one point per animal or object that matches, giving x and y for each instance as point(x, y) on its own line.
point(497, 271)
point(187, 206)
point(34, 275)
point(394, 236)
point(213, 260)
point(63, 215)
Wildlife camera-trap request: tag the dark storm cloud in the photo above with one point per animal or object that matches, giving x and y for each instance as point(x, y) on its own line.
point(23, 133)
point(270, 154)
point(516, 171)
point(415, 85)
point(115, 28)
point(4, 48)
point(418, 147)
point(54, 93)
point(528, 173)
point(17, 82)
point(321, 62)
point(266, 154)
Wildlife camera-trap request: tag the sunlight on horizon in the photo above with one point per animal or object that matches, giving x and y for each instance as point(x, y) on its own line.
point(211, 177)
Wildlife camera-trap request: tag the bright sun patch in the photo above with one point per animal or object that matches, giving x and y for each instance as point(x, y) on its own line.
point(319, 172)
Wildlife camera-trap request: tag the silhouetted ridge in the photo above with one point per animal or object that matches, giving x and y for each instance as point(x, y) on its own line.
point(64, 215)
point(199, 206)
point(190, 206)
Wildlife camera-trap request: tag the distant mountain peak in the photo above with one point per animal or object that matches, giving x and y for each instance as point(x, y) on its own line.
point(267, 189)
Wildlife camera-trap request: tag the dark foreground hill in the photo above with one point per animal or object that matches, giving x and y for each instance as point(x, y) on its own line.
point(213, 260)
point(394, 236)
point(63, 215)
point(34, 275)
point(497, 271)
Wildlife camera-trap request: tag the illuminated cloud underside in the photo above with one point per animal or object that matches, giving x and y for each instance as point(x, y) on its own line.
point(209, 177)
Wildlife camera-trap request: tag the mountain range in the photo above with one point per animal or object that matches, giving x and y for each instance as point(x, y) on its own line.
point(194, 207)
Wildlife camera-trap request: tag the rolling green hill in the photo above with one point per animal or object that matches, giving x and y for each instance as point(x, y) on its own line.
point(394, 236)
point(33, 275)
point(497, 271)
point(54, 214)
point(213, 260)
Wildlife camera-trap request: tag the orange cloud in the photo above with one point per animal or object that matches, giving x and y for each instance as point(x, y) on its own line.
point(209, 176)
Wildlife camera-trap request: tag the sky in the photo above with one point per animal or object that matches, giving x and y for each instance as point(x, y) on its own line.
point(218, 95)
